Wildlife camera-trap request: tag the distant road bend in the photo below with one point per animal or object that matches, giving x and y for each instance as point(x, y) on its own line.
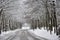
point(23, 35)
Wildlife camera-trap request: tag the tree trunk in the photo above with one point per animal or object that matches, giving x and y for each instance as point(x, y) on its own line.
point(0, 20)
point(55, 19)
point(0, 29)
point(47, 15)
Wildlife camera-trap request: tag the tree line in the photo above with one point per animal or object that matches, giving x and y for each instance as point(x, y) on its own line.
point(6, 23)
point(50, 20)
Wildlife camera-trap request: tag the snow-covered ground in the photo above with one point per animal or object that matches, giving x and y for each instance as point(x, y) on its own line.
point(9, 32)
point(43, 33)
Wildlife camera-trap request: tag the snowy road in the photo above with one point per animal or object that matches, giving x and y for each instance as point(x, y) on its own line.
point(21, 35)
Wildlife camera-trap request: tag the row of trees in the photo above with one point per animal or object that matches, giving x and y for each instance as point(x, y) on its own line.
point(6, 19)
point(50, 20)
point(47, 20)
point(6, 23)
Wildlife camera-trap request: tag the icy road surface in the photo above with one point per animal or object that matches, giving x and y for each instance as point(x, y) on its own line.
point(21, 35)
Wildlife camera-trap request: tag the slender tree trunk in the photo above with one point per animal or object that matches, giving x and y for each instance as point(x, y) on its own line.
point(0, 29)
point(47, 15)
point(51, 20)
point(54, 15)
point(55, 19)
point(1, 20)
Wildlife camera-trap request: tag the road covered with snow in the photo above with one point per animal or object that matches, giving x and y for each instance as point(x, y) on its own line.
point(20, 34)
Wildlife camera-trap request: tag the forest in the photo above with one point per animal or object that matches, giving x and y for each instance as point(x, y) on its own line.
point(38, 13)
